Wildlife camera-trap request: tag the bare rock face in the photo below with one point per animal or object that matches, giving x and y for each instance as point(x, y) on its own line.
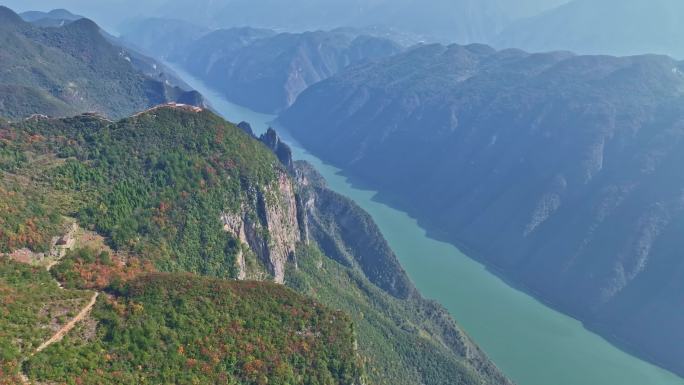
point(234, 224)
point(269, 225)
point(279, 148)
point(283, 226)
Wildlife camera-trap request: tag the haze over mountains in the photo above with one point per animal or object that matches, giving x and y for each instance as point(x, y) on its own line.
point(448, 20)
point(54, 18)
point(259, 68)
point(615, 27)
point(460, 20)
point(585, 26)
point(434, 128)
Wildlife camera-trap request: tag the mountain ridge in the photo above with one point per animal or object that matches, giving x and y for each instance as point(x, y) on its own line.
point(144, 190)
point(74, 68)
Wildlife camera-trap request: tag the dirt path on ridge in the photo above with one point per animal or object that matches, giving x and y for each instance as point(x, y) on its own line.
point(70, 325)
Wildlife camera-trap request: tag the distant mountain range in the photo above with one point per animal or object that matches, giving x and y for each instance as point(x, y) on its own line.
point(54, 18)
point(561, 171)
point(616, 27)
point(448, 20)
point(460, 21)
point(70, 66)
point(259, 68)
point(583, 26)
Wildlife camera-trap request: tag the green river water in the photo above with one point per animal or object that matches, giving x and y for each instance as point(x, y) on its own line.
point(531, 343)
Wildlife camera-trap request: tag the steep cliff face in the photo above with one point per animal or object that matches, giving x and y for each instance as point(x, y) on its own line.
point(348, 234)
point(296, 227)
point(356, 270)
point(558, 169)
point(268, 223)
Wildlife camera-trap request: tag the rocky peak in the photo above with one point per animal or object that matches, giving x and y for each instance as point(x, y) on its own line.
point(282, 150)
point(246, 127)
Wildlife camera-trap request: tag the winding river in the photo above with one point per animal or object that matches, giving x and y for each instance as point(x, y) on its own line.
point(532, 343)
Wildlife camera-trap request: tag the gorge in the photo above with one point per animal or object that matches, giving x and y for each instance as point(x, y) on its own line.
point(530, 342)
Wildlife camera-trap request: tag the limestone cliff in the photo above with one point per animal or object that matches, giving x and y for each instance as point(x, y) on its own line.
point(269, 225)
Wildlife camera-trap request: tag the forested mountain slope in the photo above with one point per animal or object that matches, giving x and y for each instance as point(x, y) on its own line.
point(61, 71)
point(176, 189)
point(562, 171)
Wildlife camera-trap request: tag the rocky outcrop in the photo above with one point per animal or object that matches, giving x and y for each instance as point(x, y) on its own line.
point(300, 208)
point(280, 149)
point(246, 127)
point(282, 225)
point(269, 225)
point(234, 224)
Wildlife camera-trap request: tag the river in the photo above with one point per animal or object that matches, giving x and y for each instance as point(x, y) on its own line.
point(531, 343)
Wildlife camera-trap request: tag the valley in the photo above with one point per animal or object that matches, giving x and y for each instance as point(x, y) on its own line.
point(532, 343)
point(327, 195)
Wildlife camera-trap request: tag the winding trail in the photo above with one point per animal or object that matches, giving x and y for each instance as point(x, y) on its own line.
point(59, 252)
point(64, 330)
point(70, 325)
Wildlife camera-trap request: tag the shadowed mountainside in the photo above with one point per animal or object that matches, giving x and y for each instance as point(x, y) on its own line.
point(559, 170)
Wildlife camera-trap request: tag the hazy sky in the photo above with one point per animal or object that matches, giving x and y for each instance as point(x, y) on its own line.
point(453, 20)
point(107, 13)
point(618, 27)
